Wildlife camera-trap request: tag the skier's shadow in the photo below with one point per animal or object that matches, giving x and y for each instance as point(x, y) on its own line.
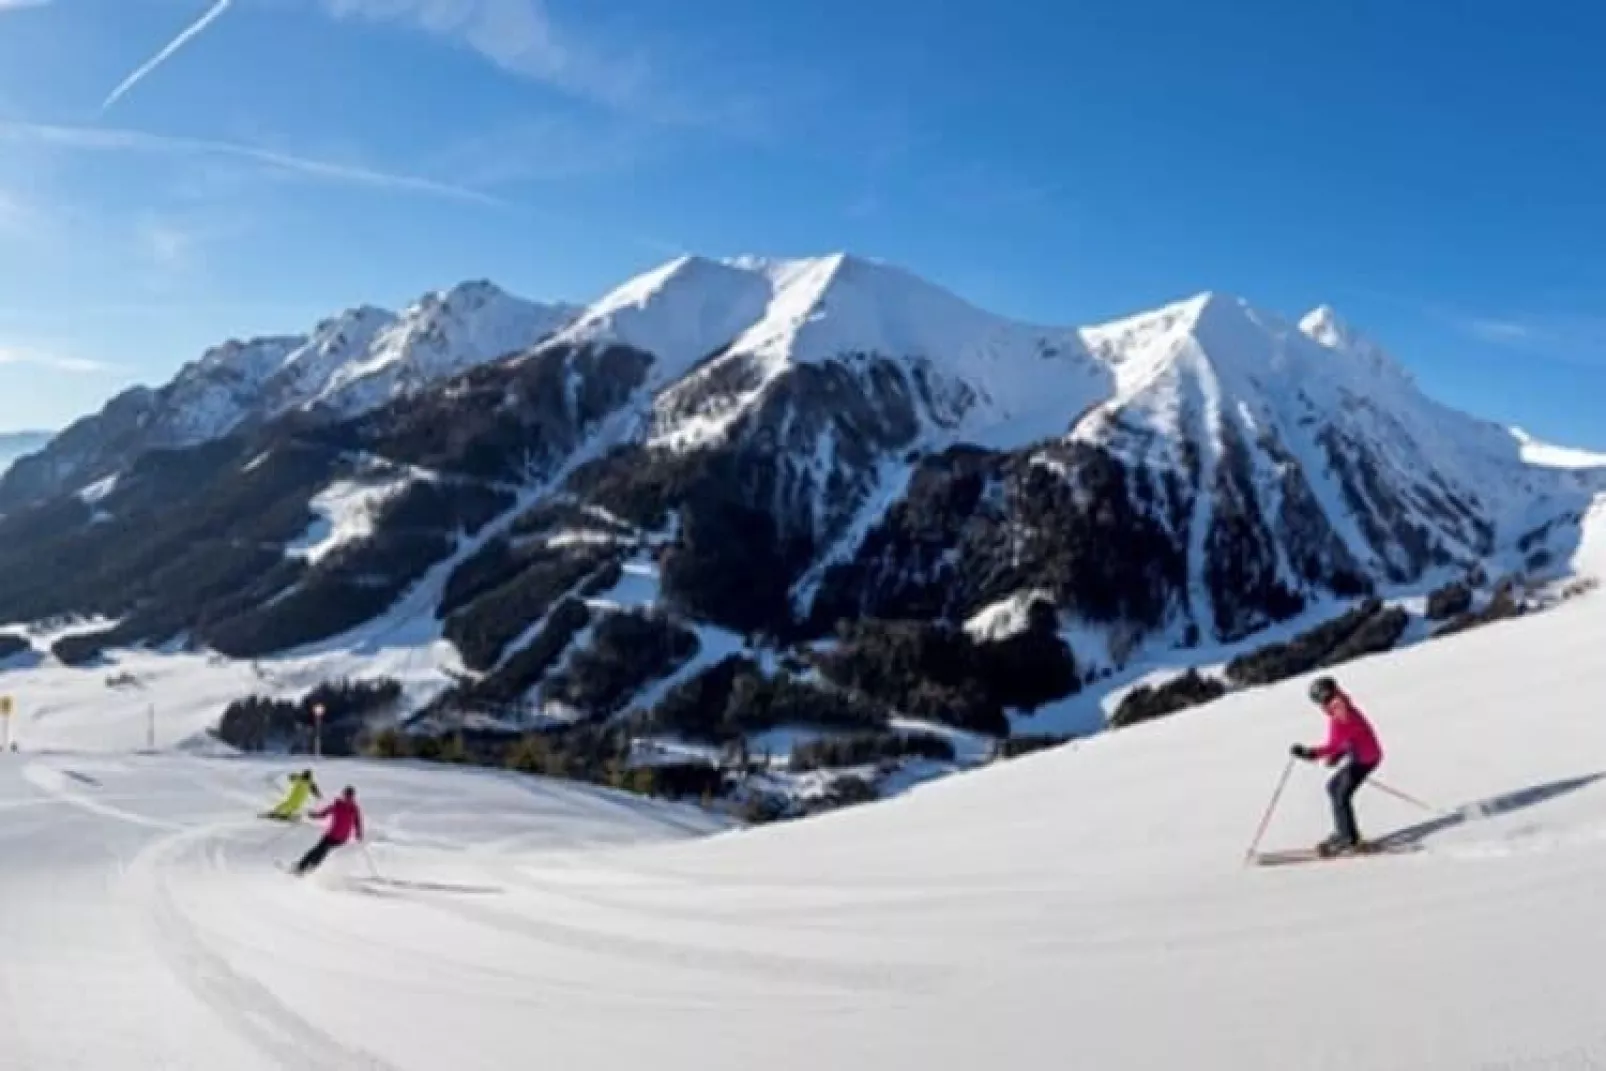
point(1493, 807)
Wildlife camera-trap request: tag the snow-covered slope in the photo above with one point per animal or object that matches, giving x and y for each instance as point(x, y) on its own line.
point(1087, 904)
point(349, 364)
point(1549, 455)
point(1333, 461)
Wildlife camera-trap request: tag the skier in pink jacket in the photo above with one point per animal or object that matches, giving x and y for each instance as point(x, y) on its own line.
point(345, 819)
point(1349, 736)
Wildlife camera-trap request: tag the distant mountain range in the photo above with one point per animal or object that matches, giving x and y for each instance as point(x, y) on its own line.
point(769, 450)
point(346, 365)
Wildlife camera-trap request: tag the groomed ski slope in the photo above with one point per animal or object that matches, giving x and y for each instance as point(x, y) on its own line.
point(1080, 908)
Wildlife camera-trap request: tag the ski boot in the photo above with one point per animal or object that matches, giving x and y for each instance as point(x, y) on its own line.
point(1337, 845)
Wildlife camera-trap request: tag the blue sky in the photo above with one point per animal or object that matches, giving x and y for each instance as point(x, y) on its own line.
point(1436, 170)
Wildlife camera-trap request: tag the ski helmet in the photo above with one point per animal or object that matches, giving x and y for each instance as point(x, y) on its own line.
point(1322, 689)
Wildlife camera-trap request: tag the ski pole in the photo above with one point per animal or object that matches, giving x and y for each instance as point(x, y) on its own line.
point(1412, 800)
point(366, 854)
point(1270, 807)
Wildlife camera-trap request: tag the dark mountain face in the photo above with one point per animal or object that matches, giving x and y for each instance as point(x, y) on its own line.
point(202, 540)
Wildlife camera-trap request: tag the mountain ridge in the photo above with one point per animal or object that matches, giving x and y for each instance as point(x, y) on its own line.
point(350, 363)
point(787, 448)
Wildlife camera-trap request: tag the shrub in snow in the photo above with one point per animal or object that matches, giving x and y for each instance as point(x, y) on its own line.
point(1312, 649)
point(760, 808)
point(868, 749)
point(1507, 602)
point(1449, 601)
point(1014, 747)
point(1145, 703)
point(844, 792)
point(1376, 634)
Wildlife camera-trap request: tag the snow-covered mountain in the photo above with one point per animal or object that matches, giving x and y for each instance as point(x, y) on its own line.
point(784, 447)
point(730, 334)
point(348, 365)
point(1309, 450)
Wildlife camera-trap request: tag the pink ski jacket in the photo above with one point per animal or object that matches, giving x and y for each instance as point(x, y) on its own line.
point(1349, 731)
point(344, 820)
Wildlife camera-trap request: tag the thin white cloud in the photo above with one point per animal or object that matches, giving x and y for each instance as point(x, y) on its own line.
point(52, 362)
point(106, 139)
point(18, 5)
point(1499, 330)
point(522, 38)
point(1574, 339)
point(518, 36)
point(194, 30)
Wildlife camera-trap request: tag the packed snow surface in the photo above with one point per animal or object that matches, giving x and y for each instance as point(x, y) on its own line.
point(345, 513)
point(1087, 906)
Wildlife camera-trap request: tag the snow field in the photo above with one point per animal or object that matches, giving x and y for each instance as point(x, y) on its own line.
point(1087, 905)
point(151, 908)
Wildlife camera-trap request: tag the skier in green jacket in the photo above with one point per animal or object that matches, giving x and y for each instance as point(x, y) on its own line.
point(302, 786)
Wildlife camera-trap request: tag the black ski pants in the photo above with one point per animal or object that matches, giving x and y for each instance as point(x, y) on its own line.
point(1341, 789)
point(315, 856)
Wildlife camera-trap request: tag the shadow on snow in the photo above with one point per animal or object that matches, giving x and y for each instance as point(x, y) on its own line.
point(1493, 807)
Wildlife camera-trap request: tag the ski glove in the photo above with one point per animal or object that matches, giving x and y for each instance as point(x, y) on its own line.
point(1300, 751)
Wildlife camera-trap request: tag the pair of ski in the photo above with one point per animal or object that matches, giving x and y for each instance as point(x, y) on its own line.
point(1311, 855)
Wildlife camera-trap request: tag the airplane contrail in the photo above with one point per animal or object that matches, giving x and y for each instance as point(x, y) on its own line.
point(165, 54)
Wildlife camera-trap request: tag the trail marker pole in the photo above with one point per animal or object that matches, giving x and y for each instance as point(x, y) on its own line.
point(150, 728)
point(5, 713)
point(317, 730)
